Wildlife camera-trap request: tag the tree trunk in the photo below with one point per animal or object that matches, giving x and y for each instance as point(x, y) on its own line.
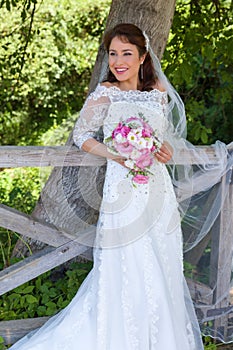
point(62, 202)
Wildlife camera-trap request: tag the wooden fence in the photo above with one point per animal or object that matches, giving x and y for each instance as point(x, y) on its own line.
point(63, 247)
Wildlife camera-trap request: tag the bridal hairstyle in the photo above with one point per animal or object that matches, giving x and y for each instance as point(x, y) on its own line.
point(130, 33)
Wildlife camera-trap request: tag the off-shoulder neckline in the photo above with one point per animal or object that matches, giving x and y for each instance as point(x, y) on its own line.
point(133, 91)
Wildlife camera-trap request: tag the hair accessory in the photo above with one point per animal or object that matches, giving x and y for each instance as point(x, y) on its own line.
point(147, 40)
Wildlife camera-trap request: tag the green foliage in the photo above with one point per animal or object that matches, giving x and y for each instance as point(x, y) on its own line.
point(189, 269)
point(2, 346)
point(199, 60)
point(45, 295)
point(23, 5)
point(19, 188)
point(208, 344)
point(44, 77)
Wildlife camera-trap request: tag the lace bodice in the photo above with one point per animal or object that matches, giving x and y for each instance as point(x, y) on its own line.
point(115, 95)
point(106, 105)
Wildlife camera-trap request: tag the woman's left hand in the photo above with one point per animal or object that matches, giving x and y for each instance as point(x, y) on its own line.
point(165, 153)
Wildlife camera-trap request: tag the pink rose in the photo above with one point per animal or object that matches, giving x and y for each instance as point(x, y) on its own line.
point(131, 119)
point(141, 179)
point(125, 130)
point(147, 127)
point(117, 130)
point(153, 148)
point(144, 160)
point(146, 133)
point(123, 148)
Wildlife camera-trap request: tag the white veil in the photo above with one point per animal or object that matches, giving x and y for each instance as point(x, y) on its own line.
point(203, 186)
point(202, 180)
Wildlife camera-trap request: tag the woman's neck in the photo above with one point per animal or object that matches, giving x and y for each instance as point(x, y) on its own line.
point(126, 86)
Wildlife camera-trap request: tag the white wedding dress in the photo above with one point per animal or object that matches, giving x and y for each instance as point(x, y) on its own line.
point(135, 297)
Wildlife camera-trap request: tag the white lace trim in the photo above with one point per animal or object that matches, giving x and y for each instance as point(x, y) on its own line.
point(164, 257)
point(101, 308)
point(67, 340)
point(127, 306)
point(116, 94)
point(150, 290)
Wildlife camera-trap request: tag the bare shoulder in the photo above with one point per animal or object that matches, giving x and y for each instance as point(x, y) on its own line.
point(159, 86)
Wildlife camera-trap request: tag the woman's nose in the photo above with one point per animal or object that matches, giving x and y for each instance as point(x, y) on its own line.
point(119, 59)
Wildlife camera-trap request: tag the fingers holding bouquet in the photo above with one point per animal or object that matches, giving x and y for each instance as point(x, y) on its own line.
point(120, 160)
point(165, 153)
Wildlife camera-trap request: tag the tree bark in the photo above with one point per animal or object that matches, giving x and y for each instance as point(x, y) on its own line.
point(62, 202)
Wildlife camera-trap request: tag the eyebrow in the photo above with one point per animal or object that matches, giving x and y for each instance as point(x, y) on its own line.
point(122, 50)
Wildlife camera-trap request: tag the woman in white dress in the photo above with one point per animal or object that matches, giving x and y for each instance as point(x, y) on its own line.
point(135, 297)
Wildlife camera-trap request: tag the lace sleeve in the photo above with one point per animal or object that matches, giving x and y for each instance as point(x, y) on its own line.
point(91, 118)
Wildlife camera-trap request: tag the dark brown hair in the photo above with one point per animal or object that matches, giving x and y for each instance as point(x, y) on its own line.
point(128, 32)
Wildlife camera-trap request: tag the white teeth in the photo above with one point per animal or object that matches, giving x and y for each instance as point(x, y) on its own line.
point(121, 69)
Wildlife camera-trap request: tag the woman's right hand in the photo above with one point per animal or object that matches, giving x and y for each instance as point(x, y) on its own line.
point(99, 149)
point(120, 160)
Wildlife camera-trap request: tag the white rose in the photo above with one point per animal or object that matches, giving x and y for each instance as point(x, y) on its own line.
point(120, 139)
point(129, 163)
point(135, 154)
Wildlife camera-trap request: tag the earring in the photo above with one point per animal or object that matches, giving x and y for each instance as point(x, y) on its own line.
point(141, 71)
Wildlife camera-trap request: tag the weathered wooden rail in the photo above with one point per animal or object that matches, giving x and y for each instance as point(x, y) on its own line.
point(42, 156)
point(63, 247)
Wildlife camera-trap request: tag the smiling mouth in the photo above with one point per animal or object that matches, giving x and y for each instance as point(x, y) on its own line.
point(121, 70)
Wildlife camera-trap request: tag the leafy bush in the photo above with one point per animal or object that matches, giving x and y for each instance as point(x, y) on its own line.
point(198, 60)
point(20, 189)
point(45, 295)
point(57, 65)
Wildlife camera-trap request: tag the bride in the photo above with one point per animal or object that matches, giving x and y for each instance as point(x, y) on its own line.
point(135, 297)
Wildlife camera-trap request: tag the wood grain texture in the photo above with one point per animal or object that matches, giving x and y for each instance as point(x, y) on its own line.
point(19, 222)
point(38, 263)
point(221, 256)
point(70, 156)
point(11, 331)
point(43, 156)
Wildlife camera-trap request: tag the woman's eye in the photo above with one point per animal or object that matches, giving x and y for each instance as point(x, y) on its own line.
point(112, 54)
point(127, 54)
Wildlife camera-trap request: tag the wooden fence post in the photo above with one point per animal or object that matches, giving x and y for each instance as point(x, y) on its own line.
point(221, 259)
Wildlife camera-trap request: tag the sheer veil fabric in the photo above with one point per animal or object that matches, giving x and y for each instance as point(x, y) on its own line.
point(138, 248)
point(202, 184)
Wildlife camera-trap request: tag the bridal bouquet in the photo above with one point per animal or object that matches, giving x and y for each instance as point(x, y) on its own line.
point(135, 140)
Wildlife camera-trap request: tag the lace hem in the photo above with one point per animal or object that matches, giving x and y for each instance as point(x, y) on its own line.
point(101, 308)
point(128, 307)
point(150, 290)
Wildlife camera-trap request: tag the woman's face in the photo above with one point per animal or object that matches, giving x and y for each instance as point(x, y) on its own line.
point(124, 61)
